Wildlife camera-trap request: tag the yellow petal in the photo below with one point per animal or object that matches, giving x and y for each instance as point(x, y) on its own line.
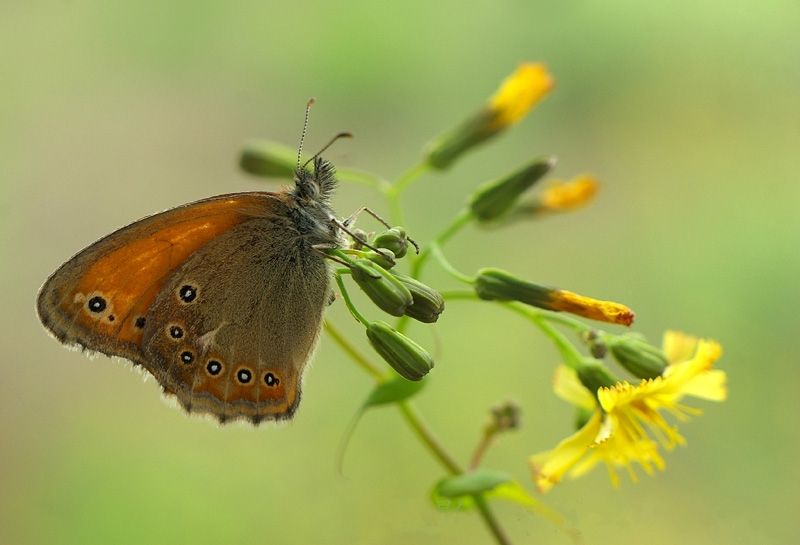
point(562, 195)
point(594, 309)
point(518, 93)
point(549, 467)
point(568, 387)
point(710, 385)
point(679, 346)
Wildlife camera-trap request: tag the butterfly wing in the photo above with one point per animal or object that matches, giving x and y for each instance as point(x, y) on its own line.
point(237, 346)
point(99, 299)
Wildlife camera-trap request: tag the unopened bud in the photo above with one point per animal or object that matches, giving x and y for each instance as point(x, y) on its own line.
point(504, 417)
point(495, 198)
point(359, 238)
point(594, 375)
point(427, 303)
point(405, 356)
point(394, 239)
point(386, 291)
point(496, 284)
point(384, 258)
point(268, 159)
point(641, 359)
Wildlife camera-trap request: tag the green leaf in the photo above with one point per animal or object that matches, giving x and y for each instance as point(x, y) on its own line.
point(387, 392)
point(392, 391)
point(455, 493)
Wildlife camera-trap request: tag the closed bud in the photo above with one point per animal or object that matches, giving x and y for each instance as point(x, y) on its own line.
point(427, 303)
point(268, 159)
point(594, 375)
point(385, 258)
point(394, 239)
point(359, 238)
point(498, 285)
point(386, 291)
point(641, 359)
point(495, 198)
point(405, 356)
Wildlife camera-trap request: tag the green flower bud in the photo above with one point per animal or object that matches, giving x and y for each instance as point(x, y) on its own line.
point(638, 357)
point(495, 198)
point(386, 291)
point(594, 375)
point(382, 259)
point(268, 159)
point(394, 239)
point(499, 285)
point(359, 236)
point(427, 303)
point(405, 356)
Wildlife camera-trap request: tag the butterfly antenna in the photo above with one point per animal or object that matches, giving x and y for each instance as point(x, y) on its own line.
point(303, 134)
point(329, 144)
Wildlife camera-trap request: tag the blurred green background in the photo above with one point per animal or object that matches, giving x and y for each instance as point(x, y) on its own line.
point(687, 112)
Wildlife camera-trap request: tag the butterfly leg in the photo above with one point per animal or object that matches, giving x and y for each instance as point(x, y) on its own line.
point(360, 240)
point(351, 220)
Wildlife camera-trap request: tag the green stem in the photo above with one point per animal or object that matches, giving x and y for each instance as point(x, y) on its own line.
point(540, 318)
point(448, 267)
point(352, 351)
point(428, 438)
point(409, 177)
point(458, 223)
point(491, 521)
point(571, 355)
point(423, 433)
point(349, 302)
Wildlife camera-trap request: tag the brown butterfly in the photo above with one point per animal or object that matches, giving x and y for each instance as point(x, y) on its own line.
point(221, 300)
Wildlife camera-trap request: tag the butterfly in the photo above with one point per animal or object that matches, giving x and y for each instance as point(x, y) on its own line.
point(221, 300)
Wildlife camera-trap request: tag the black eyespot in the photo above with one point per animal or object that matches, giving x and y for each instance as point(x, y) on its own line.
point(111, 318)
point(97, 304)
point(271, 380)
point(139, 322)
point(214, 367)
point(187, 293)
point(187, 357)
point(244, 376)
point(175, 332)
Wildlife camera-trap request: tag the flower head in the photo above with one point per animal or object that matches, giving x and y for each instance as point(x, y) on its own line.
point(627, 426)
point(520, 92)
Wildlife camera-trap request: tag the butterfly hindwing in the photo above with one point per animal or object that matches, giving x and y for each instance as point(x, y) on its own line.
point(231, 331)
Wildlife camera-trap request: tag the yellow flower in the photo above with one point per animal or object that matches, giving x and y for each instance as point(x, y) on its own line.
point(627, 426)
point(518, 93)
point(562, 196)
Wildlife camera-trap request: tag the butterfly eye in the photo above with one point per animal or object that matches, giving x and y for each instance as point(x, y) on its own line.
point(187, 293)
point(187, 357)
point(214, 367)
point(271, 380)
point(175, 331)
point(97, 304)
point(244, 376)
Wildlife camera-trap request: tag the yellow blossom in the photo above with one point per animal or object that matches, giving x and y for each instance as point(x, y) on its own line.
point(562, 196)
point(627, 426)
point(518, 93)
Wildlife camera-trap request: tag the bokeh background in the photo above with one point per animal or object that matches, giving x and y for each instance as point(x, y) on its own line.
point(688, 114)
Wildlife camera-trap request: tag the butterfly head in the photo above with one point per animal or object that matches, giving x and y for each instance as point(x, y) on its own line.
point(315, 187)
